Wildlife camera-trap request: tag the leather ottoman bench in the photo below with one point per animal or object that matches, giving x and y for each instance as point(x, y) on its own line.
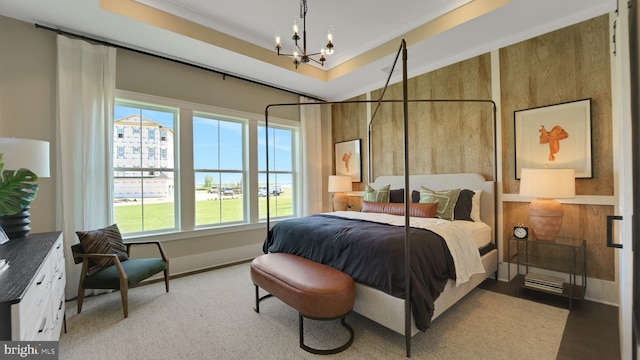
point(316, 291)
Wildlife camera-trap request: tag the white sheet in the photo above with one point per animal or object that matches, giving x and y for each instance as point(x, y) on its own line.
point(481, 232)
point(457, 235)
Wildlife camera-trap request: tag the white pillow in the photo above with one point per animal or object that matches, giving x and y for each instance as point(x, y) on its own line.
point(475, 205)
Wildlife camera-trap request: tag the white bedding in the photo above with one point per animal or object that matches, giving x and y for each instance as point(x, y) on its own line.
point(481, 232)
point(458, 235)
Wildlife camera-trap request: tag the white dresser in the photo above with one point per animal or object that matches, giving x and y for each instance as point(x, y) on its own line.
point(32, 288)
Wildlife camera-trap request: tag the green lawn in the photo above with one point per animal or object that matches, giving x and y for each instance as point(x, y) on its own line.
point(158, 216)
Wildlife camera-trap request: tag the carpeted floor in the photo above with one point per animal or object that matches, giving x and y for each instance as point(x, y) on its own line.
point(210, 316)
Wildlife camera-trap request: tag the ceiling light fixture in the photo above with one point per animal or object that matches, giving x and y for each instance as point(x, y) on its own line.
point(304, 57)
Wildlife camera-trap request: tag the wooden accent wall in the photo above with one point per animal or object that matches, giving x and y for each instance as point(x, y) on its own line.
point(565, 65)
point(569, 64)
point(443, 137)
point(580, 222)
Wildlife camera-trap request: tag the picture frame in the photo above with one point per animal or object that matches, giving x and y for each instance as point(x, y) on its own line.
point(554, 136)
point(3, 236)
point(349, 159)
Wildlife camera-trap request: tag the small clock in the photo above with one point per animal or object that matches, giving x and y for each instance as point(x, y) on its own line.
point(521, 231)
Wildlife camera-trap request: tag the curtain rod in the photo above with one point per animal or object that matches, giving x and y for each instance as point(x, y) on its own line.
point(224, 74)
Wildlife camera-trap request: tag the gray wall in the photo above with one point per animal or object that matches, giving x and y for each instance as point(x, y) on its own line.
point(28, 110)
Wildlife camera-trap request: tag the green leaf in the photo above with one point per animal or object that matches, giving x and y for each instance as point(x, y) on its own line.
point(17, 189)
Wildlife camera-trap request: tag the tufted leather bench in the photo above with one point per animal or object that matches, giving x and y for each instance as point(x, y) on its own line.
point(315, 290)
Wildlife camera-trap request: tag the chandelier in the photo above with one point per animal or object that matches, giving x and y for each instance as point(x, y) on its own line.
point(303, 56)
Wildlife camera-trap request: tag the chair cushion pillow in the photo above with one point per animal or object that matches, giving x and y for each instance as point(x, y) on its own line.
point(102, 241)
point(136, 270)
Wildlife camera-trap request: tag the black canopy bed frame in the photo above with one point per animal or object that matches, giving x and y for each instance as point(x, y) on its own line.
point(409, 326)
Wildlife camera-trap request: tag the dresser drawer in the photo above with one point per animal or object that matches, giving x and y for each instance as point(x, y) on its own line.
point(34, 303)
point(32, 290)
point(58, 278)
point(58, 316)
point(46, 324)
point(57, 252)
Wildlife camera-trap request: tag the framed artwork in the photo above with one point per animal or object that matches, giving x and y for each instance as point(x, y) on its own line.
point(3, 236)
point(555, 136)
point(349, 159)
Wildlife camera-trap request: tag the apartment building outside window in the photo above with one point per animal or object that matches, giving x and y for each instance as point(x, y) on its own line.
point(144, 198)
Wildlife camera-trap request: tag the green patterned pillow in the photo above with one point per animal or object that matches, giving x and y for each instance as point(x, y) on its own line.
point(373, 195)
point(446, 200)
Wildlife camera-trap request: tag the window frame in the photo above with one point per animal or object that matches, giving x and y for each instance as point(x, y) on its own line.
point(243, 171)
point(295, 168)
point(149, 105)
point(184, 181)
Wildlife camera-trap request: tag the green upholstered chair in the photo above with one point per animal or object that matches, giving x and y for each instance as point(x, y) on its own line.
point(122, 275)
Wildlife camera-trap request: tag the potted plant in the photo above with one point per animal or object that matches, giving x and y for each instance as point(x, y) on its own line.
point(18, 188)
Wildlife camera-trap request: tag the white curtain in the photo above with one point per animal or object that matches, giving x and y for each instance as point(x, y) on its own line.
point(310, 117)
point(86, 84)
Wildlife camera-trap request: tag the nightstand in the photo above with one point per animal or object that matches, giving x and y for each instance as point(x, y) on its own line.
point(563, 255)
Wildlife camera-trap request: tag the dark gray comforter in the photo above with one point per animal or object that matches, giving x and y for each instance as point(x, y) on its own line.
point(373, 254)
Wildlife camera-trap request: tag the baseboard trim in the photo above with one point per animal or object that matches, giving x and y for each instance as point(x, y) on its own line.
point(187, 265)
point(601, 291)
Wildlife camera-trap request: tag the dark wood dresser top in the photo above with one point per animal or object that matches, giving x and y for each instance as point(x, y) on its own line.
point(25, 256)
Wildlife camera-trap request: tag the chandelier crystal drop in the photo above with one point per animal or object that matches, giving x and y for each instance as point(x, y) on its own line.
point(301, 55)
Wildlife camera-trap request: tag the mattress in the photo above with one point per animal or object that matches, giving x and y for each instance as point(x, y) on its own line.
point(481, 232)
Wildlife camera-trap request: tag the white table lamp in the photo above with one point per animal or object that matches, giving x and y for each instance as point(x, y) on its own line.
point(17, 154)
point(546, 213)
point(339, 184)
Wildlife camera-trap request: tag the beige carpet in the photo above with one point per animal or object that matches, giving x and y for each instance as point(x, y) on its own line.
point(210, 316)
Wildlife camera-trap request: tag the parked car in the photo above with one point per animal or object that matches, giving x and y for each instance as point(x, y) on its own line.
point(275, 191)
point(213, 190)
point(227, 191)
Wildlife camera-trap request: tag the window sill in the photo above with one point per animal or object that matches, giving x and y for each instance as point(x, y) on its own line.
point(200, 232)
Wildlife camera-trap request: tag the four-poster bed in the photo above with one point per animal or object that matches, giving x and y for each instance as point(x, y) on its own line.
point(390, 306)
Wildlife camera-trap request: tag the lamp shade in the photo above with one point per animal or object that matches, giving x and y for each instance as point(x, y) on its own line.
point(339, 183)
point(548, 183)
point(27, 154)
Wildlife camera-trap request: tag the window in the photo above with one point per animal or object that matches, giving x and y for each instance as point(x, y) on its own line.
point(226, 185)
point(218, 160)
point(144, 199)
point(281, 164)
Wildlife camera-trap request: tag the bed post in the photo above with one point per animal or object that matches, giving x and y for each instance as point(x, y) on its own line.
point(266, 145)
point(407, 200)
point(407, 247)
